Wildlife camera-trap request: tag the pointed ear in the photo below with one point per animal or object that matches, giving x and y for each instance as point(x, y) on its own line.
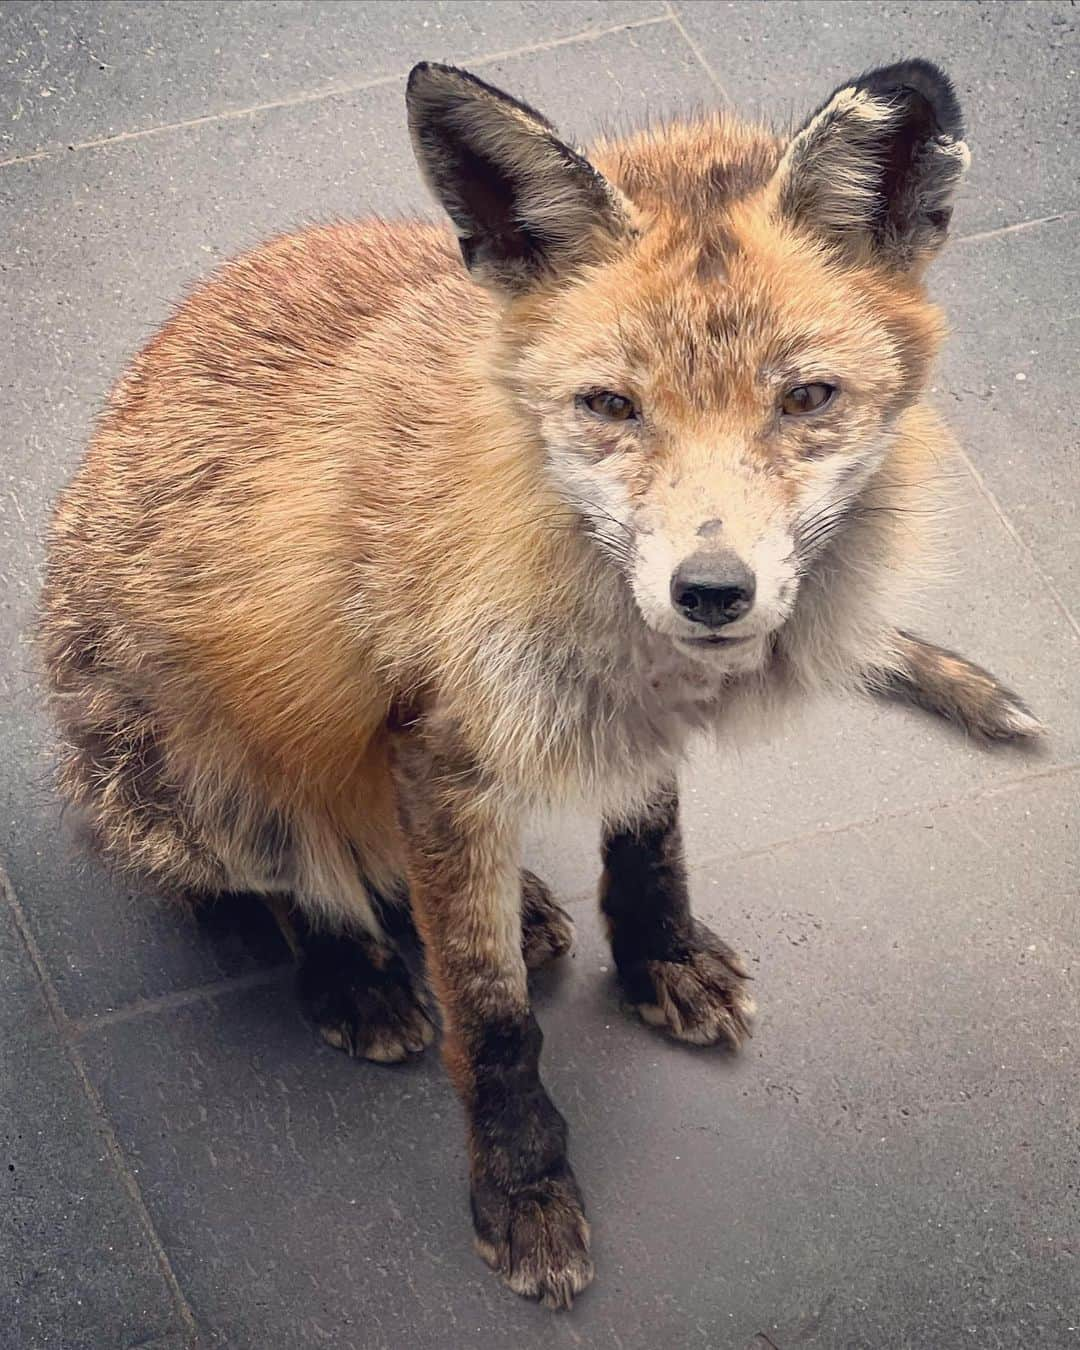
point(877, 165)
point(524, 204)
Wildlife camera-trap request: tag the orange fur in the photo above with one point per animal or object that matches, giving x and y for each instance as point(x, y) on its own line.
point(323, 490)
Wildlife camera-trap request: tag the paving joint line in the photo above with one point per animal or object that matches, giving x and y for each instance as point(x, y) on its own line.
point(1020, 226)
point(180, 998)
point(699, 55)
point(336, 90)
point(902, 813)
point(1014, 534)
point(102, 1122)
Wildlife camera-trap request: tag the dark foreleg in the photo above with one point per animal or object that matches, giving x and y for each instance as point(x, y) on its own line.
point(467, 899)
point(673, 970)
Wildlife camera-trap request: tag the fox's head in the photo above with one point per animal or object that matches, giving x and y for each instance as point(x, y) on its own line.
point(714, 329)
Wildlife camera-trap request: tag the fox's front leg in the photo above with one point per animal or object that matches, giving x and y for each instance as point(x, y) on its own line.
point(944, 683)
point(467, 899)
point(674, 970)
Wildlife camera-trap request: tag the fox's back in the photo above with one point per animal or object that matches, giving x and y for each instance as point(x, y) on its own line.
point(210, 534)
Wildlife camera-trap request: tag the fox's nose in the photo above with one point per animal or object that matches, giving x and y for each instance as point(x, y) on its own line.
point(713, 588)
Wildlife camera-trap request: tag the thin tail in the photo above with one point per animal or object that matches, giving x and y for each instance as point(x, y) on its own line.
point(942, 682)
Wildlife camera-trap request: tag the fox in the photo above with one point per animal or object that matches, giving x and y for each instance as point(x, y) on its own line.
point(396, 534)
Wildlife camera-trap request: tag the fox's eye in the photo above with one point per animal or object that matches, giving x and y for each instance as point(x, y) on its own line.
point(604, 403)
point(807, 398)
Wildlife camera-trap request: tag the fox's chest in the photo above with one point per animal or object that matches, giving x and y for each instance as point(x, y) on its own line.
point(602, 716)
point(628, 724)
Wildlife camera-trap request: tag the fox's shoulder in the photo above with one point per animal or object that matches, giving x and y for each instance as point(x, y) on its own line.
point(341, 272)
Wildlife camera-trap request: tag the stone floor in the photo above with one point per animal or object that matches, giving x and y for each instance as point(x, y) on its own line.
point(895, 1162)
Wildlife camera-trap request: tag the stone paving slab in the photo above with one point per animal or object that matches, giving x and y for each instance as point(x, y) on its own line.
point(78, 72)
point(891, 1163)
point(1008, 371)
point(77, 1271)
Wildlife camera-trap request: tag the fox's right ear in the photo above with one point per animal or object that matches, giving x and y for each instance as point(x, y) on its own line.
point(524, 204)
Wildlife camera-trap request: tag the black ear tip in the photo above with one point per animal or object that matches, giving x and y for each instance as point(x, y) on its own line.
point(429, 72)
point(925, 79)
point(419, 79)
point(434, 86)
point(433, 79)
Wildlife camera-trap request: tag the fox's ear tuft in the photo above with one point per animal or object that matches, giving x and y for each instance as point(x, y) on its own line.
point(525, 205)
point(877, 165)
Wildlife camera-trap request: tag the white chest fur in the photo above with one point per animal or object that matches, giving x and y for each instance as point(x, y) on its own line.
point(608, 717)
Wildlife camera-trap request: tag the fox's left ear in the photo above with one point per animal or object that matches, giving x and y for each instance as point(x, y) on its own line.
point(876, 167)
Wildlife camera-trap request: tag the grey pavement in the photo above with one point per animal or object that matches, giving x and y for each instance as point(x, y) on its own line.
point(895, 1161)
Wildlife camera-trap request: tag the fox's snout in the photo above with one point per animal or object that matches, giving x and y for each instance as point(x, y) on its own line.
point(694, 573)
point(713, 588)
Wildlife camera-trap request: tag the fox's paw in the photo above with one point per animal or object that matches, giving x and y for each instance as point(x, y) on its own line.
point(700, 997)
point(363, 1000)
point(547, 931)
point(536, 1239)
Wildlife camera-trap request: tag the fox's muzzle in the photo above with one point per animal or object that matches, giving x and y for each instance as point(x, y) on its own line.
point(713, 587)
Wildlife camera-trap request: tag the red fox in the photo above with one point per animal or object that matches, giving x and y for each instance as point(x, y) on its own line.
point(387, 539)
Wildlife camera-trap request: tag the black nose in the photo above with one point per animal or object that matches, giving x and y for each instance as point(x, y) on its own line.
point(713, 588)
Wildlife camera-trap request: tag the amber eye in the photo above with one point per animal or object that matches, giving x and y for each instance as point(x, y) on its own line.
point(807, 398)
point(604, 403)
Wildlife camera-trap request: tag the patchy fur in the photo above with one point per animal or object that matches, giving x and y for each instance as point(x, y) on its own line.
point(366, 559)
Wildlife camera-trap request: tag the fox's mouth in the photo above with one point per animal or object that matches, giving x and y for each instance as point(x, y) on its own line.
point(717, 639)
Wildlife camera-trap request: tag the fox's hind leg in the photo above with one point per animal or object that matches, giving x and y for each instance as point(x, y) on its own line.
point(944, 683)
point(361, 995)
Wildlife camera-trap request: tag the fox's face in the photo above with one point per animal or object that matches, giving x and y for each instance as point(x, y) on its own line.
point(716, 429)
point(716, 338)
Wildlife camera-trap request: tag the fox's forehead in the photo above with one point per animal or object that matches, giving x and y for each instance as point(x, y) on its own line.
point(694, 169)
point(719, 317)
